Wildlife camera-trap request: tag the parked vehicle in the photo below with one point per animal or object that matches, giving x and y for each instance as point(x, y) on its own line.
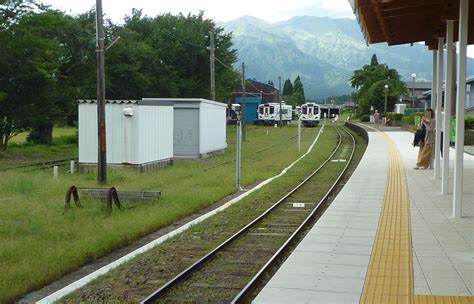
point(310, 114)
point(269, 113)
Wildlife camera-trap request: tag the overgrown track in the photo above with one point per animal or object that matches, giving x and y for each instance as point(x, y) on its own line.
point(42, 165)
point(230, 271)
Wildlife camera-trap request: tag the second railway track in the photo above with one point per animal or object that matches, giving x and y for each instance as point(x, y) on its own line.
point(230, 271)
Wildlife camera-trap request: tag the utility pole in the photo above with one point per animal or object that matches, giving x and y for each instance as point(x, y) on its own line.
point(212, 49)
point(279, 98)
point(244, 105)
point(102, 143)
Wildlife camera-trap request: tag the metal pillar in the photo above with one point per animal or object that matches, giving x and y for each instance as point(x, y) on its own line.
point(460, 105)
point(439, 100)
point(102, 142)
point(448, 91)
point(434, 88)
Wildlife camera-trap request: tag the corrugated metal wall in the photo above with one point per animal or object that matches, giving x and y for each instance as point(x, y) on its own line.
point(146, 136)
point(155, 130)
point(87, 133)
point(212, 131)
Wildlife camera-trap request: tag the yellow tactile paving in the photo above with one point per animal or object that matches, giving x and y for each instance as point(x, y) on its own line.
point(444, 299)
point(389, 277)
point(390, 274)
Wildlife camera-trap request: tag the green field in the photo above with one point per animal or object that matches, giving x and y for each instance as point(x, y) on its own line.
point(20, 152)
point(40, 242)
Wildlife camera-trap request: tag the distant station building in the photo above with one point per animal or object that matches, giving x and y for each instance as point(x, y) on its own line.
point(139, 134)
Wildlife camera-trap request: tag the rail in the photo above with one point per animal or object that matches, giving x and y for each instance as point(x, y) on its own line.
point(186, 273)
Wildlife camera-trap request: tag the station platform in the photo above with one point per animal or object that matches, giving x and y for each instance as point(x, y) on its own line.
point(388, 237)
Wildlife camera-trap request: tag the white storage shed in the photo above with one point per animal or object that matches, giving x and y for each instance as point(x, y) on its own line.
point(199, 126)
point(139, 133)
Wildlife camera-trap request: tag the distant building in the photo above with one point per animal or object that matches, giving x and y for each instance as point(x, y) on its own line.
point(258, 89)
point(420, 88)
point(255, 93)
point(469, 101)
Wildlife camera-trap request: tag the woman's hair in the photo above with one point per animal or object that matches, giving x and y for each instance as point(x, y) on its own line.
point(431, 112)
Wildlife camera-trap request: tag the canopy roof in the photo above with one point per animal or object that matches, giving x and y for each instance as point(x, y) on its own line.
point(409, 21)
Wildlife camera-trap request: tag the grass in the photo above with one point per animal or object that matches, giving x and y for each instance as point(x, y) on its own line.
point(19, 152)
point(57, 133)
point(40, 242)
point(127, 283)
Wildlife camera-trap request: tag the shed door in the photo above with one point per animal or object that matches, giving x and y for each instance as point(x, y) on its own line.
point(186, 132)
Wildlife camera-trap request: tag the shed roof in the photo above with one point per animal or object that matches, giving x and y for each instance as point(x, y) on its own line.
point(408, 21)
point(117, 101)
point(183, 101)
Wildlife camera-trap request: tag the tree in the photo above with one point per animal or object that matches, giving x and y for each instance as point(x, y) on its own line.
point(298, 90)
point(287, 87)
point(370, 82)
point(374, 61)
point(270, 82)
point(179, 67)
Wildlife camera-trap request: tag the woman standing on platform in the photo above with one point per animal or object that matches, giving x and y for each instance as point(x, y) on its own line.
point(425, 155)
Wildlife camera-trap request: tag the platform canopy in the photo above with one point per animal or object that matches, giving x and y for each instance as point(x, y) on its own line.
point(408, 21)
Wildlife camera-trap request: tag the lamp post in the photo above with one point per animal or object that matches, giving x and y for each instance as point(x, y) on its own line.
point(385, 91)
point(413, 76)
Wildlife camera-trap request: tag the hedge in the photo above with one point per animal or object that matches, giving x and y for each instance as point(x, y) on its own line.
point(364, 118)
point(393, 116)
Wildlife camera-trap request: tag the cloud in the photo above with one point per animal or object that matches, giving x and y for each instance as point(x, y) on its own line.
point(269, 10)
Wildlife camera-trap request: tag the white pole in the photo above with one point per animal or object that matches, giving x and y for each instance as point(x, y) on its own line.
point(299, 133)
point(448, 92)
point(239, 142)
point(460, 105)
point(55, 171)
point(434, 83)
point(439, 100)
point(72, 166)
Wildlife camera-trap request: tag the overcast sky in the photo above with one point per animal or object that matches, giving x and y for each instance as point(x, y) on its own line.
point(269, 10)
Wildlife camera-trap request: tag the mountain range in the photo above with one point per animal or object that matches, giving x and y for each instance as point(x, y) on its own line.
point(323, 51)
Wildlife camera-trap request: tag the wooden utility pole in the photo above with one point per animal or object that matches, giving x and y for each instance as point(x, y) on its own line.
point(244, 105)
point(212, 49)
point(102, 143)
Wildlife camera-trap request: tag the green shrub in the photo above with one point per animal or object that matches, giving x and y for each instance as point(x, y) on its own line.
point(394, 116)
point(411, 118)
point(364, 118)
point(469, 122)
point(406, 120)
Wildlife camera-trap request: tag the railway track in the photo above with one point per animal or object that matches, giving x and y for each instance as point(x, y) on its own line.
point(231, 271)
point(42, 165)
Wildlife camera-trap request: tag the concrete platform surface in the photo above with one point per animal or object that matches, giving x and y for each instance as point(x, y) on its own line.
point(330, 264)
